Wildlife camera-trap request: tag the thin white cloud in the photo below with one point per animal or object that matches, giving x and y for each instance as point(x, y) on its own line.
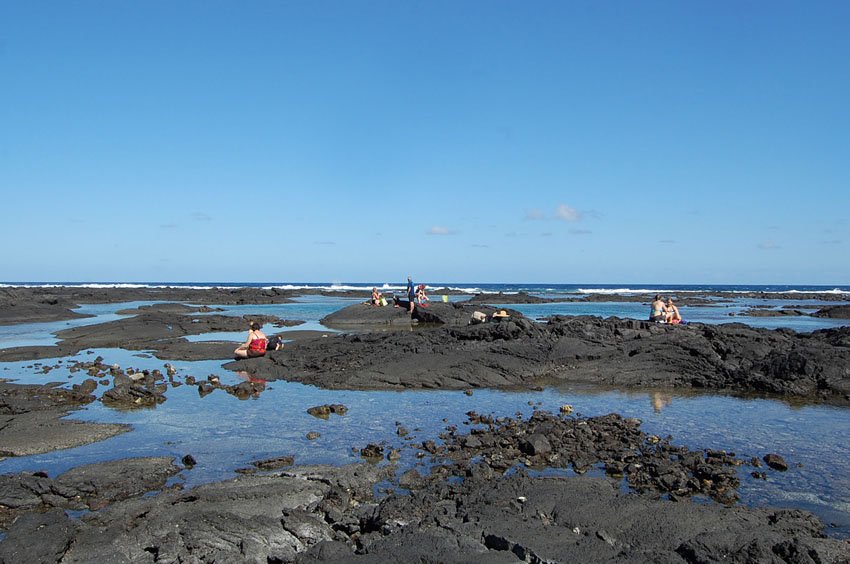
point(440, 230)
point(769, 245)
point(168, 226)
point(580, 231)
point(567, 213)
point(667, 241)
point(201, 216)
point(832, 242)
point(324, 242)
point(535, 215)
point(546, 234)
point(480, 246)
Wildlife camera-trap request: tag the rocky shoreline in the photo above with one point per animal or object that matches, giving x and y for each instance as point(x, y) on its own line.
point(480, 501)
point(550, 488)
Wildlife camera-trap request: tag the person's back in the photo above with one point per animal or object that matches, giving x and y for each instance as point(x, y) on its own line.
point(258, 341)
point(657, 309)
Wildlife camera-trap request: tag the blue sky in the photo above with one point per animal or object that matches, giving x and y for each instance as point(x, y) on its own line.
point(472, 141)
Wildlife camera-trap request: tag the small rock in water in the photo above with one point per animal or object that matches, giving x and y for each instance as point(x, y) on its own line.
point(339, 409)
point(372, 451)
point(188, 461)
point(776, 462)
point(322, 411)
point(566, 409)
point(313, 435)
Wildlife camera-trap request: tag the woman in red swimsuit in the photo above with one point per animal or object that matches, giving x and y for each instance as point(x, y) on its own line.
point(255, 345)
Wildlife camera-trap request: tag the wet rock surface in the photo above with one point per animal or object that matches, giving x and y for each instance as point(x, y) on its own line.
point(31, 420)
point(616, 352)
point(87, 487)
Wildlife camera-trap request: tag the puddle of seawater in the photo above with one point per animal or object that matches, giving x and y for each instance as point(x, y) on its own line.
point(42, 334)
point(224, 433)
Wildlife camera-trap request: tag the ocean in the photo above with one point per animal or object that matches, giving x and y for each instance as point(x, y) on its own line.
point(471, 288)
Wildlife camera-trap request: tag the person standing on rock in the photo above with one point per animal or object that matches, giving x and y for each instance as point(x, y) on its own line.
point(411, 293)
point(254, 345)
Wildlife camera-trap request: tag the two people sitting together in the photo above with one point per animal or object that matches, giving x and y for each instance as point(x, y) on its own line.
point(664, 313)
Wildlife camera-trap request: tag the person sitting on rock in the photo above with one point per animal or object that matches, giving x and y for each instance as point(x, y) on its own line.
point(671, 313)
point(421, 298)
point(657, 310)
point(376, 297)
point(254, 345)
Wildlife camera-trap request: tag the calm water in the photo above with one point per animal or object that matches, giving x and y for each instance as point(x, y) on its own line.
point(224, 433)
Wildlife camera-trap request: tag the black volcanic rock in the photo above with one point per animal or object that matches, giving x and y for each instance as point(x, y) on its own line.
point(620, 352)
point(834, 312)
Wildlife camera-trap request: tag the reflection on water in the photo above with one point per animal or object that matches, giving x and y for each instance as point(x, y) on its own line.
point(660, 401)
point(225, 433)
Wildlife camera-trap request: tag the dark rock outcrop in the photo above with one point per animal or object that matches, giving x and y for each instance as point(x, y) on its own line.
point(619, 352)
point(834, 312)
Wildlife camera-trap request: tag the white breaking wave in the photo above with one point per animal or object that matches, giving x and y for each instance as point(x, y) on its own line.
point(833, 291)
point(463, 290)
point(619, 291)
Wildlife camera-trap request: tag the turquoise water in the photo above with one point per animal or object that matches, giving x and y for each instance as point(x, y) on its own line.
point(224, 433)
